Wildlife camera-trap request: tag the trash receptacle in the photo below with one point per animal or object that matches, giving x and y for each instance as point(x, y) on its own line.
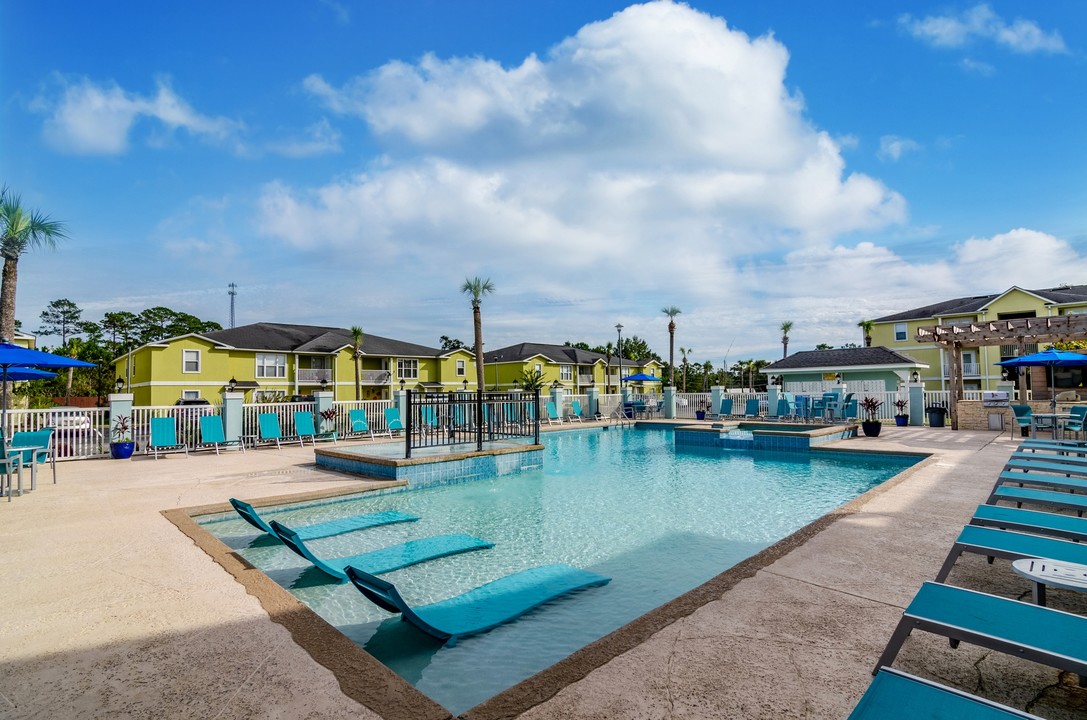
point(936, 415)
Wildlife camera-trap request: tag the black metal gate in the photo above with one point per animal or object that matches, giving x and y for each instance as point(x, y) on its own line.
point(464, 418)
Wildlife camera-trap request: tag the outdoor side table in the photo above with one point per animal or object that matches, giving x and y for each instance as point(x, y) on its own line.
point(1042, 572)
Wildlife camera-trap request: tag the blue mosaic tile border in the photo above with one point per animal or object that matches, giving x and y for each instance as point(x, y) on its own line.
point(777, 442)
point(444, 472)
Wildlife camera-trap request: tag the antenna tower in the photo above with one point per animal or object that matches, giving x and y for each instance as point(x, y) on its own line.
point(232, 291)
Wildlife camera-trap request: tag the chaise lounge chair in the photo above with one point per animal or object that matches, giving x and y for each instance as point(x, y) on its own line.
point(1012, 545)
point(393, 421)
point(164, 437)
point(1031, 521)
point(1051, 498)
point(576, 413)
point(724, 411)
point(328, 528)
point(1035, 633)
point(751, 408)
point(553, 417)
point(270, 431)
point(895, 695)
point(303, 425)
point(211, 433)
point(385, 559)
point(482, 608)
point(360, 425)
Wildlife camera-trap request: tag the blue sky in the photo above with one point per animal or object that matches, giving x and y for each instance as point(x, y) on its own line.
point(352, 163)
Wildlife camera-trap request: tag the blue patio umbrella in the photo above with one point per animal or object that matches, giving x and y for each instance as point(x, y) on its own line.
point(641, 377)
point(15, 360)
point(1048, 358)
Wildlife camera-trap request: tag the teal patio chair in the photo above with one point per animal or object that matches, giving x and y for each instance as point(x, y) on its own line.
point(895, 695)
point(724, 411)
point(751, 408)
point(803, 407)
point(10, 463)
point(576, 413)
point(482, 608)
point(1022, 417)
point(211, 433)
point(553, 417)
point(164, 437)
point(270, 432)
point(303, 425)
point(393, 421)
point(39, 444)
point(843, 406)
point(1075, 423)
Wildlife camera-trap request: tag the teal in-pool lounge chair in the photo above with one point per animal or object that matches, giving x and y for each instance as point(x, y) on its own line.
point(303, 425)
point(482, 608)
point(1031, 521)
point(329, 528)
point(164, 437)
point(1035, 633)
point(270, 431)
point(393, 421)
point(211, 433)
point(895, 695)
point(385, 559)
point(994, 543)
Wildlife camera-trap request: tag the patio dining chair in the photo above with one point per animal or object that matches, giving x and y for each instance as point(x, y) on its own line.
point(1072, 424)
point(39, 444)
point(1022, 416)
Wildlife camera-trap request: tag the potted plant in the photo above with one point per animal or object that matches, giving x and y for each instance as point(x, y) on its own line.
point(121, 444)
point(901, 418)
point(700, 413)
point(871, 423)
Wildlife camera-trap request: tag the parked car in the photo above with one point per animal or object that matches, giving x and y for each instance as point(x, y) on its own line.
point(192, 401)
point(69, 418)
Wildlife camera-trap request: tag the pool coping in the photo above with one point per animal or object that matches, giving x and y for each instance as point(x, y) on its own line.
point(370, 683)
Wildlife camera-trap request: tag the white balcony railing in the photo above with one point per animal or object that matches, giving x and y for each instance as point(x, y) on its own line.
point(307, 376)
point(969, 369)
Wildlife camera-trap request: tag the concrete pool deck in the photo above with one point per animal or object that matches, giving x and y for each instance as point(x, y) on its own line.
point(111, 611)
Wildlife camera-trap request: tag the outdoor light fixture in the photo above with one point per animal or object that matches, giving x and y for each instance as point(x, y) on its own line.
point(838, 378)
point(465, 384)
point(516, 384)
point(120, 384)
point(556, 385)
point(619, 349)
point(231, 384)
point(402, 383)
point(324, 383)
point(915, 377)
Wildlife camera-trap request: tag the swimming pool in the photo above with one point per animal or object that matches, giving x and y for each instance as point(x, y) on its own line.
point(623, 503)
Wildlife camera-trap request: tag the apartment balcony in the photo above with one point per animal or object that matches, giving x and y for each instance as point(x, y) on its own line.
point(968, 370)
point(583, 380)
point(307, 376)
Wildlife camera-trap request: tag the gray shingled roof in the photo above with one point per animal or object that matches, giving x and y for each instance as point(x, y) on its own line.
point(970, 305)
point(842, 357)
point(561, 354)
point(279, 337)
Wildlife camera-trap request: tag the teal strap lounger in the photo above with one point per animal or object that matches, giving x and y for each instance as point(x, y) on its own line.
point(1041, 479)
point(325, 529)
point(385, 559)
point(482, 608)
point(896, 695)
point(1053, 498)
point(1012, 545)
point(1032, 521)
point(1039, 634)
point(1046, 456)
point(1065, 467)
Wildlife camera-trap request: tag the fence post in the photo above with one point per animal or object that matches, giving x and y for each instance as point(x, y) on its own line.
point(233, 410)
point(771, 401)
point(670, 402)
point(557, 398)
point(717, 394)
point(917, 403)
point(119, 404)
point(323, 400)
point(592, 401)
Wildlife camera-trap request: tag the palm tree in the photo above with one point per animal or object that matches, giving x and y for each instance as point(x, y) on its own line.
point(21, 230)
point(671, 311)
point(785, 328)
point(608, 349)
point(707, 368)
point(683, 351)
point(478, 287)
point(356, 354)
point(866, 328)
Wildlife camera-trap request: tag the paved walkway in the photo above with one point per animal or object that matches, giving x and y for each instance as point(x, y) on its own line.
point(110, 611)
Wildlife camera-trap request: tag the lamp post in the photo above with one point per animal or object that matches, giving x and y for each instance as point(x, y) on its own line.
point(619, 349)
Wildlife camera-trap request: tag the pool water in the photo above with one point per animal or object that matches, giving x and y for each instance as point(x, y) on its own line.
point(622, 503)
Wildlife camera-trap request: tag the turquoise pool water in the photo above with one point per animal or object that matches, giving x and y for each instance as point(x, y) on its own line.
point(623, 503)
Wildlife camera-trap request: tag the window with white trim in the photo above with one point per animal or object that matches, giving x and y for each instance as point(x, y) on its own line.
point(900, 332)
point(407, 369)
point(566, 372)
point(271, 365)
point(190, 394)
point(461, 368)
point(539, 368)
point(190, 361)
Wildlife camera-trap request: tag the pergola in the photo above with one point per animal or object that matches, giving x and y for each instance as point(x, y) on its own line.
point(1020, 332)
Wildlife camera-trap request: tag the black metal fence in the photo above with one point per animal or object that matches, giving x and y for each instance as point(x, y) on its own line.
point(463, 418)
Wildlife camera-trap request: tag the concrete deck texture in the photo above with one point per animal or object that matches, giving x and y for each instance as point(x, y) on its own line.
point(110, 610)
